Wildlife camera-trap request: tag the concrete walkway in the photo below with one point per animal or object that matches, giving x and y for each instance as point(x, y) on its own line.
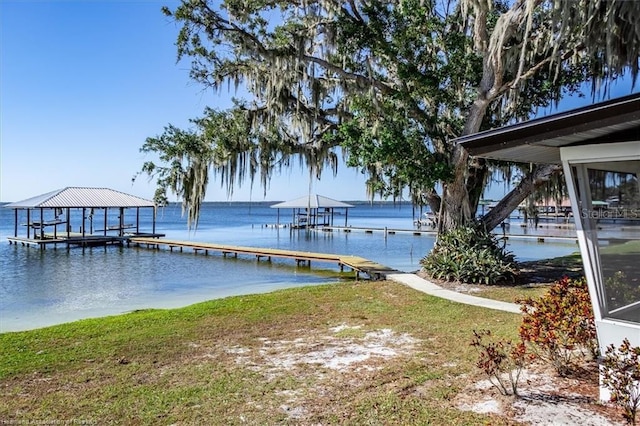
point(430, 288)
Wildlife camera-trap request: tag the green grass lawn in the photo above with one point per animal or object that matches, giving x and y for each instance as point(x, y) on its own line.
point(260, 359)
point(512, 293)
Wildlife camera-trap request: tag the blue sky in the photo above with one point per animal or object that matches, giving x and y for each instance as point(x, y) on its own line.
point(84, 83)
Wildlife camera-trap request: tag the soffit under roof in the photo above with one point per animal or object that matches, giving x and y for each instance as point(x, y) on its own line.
point(539, 140)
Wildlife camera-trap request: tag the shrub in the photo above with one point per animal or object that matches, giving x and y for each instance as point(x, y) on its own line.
point(470, 255)
point(620, 291)
point(621, 374)
point(501, 361)
point(560, 324)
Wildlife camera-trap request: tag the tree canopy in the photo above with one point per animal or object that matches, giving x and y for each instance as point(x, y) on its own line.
point(391, 83)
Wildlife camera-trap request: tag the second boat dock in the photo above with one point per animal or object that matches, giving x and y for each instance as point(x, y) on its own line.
point(358, 264)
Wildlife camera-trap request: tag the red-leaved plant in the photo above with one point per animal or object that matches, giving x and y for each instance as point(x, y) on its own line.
point(559, 325)
point(621, 374)
point(502, 362)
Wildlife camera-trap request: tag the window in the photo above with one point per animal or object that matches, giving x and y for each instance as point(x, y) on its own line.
point(611, 216)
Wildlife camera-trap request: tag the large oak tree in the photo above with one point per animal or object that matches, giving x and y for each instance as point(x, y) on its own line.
point(392, 83)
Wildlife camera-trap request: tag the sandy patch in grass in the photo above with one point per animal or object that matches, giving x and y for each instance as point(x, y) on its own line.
point(333, 351)
point(544, 399)
point(343, 357)
point(346, 357)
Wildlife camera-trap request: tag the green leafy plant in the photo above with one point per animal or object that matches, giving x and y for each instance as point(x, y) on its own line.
point(621, 374)
point(559, 325)
point(620, 291)
point(470, 255)
point(502, 362)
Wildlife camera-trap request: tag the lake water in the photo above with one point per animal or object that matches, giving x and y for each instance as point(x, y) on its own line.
point(45, 287)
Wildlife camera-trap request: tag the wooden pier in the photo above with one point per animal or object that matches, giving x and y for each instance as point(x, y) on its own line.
point(371, 230)
point(76, 239)
point(420, 232)
point(359, 265)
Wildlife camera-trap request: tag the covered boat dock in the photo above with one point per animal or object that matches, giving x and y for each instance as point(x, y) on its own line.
point(314, 210)
point(80, 216)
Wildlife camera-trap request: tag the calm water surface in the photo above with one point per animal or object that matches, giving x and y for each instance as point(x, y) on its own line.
point(45, 287)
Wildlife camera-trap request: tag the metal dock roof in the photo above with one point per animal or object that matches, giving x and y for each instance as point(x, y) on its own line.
point(72, 197)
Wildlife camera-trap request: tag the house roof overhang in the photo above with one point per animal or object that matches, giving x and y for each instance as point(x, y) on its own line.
point(540, 140)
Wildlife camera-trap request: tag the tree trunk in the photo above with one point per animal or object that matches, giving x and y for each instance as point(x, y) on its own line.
point(457, 204)
point(455, 209)
point(433, 200)
point(478, 171)
point(541, 174)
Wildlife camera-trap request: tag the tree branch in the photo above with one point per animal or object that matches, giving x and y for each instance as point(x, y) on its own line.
point(540, 175)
